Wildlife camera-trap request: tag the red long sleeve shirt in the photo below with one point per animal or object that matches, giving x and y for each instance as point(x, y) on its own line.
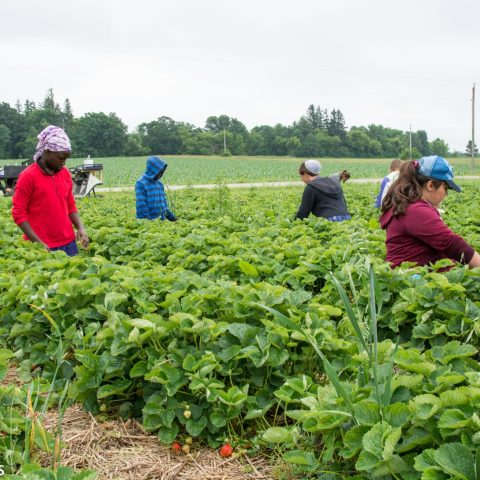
point(45, 201)
point(421, 236)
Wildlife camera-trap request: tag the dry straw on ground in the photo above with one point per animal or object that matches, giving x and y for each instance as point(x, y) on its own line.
point(119, 450)
point(123, 450)
point(11, 378)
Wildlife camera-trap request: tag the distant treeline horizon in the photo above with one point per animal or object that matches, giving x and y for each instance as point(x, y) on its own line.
point(318, 133)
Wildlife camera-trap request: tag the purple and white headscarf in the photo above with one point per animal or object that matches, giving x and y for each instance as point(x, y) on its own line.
point(54, 139)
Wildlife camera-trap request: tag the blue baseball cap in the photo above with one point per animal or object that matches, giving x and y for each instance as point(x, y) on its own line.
point(437, 168)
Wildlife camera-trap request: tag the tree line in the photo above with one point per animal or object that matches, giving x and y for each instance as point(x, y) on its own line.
point(318, 133)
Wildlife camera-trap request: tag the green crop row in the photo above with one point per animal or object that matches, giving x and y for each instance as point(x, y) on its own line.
point(274, 332)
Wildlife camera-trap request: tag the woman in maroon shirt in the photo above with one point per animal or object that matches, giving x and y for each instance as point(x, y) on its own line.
point(415, 231)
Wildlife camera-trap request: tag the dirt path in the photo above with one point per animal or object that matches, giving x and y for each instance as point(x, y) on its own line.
point(210, 186)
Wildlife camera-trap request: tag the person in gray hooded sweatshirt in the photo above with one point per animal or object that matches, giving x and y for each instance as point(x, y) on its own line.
point(323, 196)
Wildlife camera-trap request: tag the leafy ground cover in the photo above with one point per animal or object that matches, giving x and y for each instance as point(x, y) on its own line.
point(239, 322)
point(183, 170)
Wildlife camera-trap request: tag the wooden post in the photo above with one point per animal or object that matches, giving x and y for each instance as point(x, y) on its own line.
point(410, 141)
point(472, 149)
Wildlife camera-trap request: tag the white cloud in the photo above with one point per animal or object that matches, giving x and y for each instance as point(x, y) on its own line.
point(385, 62)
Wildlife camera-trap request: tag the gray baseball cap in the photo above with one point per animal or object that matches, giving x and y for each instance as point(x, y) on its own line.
point(313, 166)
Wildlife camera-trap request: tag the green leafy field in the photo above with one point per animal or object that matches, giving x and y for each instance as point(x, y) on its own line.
point(280, 334)
point(200, 170)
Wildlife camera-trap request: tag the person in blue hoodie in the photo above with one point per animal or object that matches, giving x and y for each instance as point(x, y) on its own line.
point(151, 200)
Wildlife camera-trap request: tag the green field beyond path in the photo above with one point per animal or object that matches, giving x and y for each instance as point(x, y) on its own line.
point(184, 170)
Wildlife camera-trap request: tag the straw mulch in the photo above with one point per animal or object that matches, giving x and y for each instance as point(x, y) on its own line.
point(12, 377)
point(123, 450)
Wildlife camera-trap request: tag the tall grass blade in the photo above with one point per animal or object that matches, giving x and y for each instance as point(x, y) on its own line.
point(329, 369)
point(48, 317)
point(373, 329)
point(62, 407)
point(59, 350)
point(351, 314)
point(353, 288)
point(387, 394)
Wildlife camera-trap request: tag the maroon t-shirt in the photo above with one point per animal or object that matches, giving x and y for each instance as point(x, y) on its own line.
point(421, 236)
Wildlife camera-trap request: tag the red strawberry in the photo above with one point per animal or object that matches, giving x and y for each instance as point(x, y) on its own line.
point(226, 450)
point(176, 447)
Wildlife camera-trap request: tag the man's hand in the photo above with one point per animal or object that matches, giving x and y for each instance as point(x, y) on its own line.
point(31, 235)
point(82, 237)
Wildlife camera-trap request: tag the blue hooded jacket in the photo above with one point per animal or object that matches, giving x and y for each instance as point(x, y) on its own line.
point(151, 200)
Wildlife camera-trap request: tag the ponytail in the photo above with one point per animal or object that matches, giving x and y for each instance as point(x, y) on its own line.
point(407, 189)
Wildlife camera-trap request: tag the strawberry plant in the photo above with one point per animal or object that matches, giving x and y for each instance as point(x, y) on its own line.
point(249, 325)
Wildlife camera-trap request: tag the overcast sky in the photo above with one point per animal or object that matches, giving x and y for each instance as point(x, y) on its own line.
point(386, 62)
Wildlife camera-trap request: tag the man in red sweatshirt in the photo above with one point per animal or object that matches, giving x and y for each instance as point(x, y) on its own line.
point(43, 204)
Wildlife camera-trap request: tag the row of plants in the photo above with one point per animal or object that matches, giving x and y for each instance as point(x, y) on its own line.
point(238, 322)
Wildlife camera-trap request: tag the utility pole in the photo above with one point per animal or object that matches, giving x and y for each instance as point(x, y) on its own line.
point(410, 141)
point(224, 142)
point(472, 149)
